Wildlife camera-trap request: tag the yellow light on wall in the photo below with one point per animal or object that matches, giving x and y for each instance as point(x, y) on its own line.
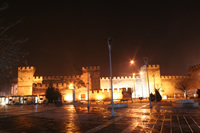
point(99, 97)
point(141, 73)
point(164, 97)
point(71, 86)
point(3, 103)
point(116, 96)
point(68, 98)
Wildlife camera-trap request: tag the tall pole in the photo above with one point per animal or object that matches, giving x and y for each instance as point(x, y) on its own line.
point(109, 47)
point(74, 94)
point(133, 88)
point(141, 84)
point(146, 62)
point(88, 87)
point(142, 87)
point(155, 88)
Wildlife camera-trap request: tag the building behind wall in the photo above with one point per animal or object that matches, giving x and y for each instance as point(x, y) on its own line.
point(99, 87)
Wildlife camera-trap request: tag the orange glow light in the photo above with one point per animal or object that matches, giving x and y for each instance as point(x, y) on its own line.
point(68, 98)
point(116, 96)
point(132, 62)
point(71, 86)
point(99, 97)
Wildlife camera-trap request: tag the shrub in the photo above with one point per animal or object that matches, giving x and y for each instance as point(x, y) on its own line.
point(158, 96)
point(52, 94)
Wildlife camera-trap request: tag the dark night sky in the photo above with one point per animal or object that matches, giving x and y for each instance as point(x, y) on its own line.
point(66, 33)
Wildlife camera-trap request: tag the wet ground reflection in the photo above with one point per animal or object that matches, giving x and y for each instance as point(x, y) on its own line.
point(138, 117)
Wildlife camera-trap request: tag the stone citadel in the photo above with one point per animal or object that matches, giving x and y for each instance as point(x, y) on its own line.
point(99, 87)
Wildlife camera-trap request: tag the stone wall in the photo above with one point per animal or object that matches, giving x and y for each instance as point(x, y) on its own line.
point(25, 80)
point(118, 82)
point(153, 75)
point(100, 87)
point(169, 85)
point(94, 76)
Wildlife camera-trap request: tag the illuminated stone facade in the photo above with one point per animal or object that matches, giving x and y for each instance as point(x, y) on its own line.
point(25, 80)
point(99, 87)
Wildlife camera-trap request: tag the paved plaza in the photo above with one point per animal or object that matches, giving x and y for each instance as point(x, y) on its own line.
point(138, 117)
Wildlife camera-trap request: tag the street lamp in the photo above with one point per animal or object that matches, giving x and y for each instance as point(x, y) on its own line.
point(146, 63)
point(141, 73)
point(88, 87)
point(109, 41)
point(132, 62)
point(133, 87)
point(155, 88)
point(72, 86)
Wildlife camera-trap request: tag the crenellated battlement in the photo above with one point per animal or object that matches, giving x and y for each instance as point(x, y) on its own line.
point(175, 77)
point(38, 85)
point(155, 66)
point(122, 77)
point(60, 77)
point(105, 78)
point(106, 91)
point(194, 67)
point(56, 85)
point(26, 68)
point(91, 68)
point(151, 66)
point(38, 78)
point(99, 87)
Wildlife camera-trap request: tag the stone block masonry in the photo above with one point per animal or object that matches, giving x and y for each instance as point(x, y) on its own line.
point(99, 87)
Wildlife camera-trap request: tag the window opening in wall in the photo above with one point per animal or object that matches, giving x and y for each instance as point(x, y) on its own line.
point(83, 96)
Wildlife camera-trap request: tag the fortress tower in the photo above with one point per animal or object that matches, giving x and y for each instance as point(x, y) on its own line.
point(154, 77)
point(94, 76)
point(29, 85)
point(25, 80)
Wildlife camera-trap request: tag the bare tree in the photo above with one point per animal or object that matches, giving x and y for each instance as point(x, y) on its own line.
point(11, 54)
point(184, 85)
point(3, 5)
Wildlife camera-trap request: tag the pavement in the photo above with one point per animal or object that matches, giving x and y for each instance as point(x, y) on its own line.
point(137, 118)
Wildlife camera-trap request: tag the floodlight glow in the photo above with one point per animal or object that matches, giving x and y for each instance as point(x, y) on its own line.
point(3, 103)
point(132, 62)
point(68, 98)
point(71, 86)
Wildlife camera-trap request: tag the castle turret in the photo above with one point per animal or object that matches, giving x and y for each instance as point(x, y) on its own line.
point(154, 77)
point(94, 75)
point(25, 80)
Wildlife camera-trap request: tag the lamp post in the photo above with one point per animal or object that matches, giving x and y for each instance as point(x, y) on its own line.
point(109, 40)
point(74, 98)
point(71, 86)
point(146, 63)
point(141, 83)
point(132, 62)
point(88, 87)
point(155, 88)
point(133, 87)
